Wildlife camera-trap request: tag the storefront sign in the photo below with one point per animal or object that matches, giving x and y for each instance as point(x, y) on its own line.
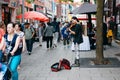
point(14, 3)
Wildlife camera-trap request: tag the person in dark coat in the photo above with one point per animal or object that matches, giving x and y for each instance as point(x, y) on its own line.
point(56, 27)
point(105, 40)
point(92, 38)
point(77, 38)
point(112, 25)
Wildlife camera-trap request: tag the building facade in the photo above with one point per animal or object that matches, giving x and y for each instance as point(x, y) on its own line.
point(118, 18)
point(7, 10)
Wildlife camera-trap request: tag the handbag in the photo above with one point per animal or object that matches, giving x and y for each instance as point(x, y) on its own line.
point(7, 50)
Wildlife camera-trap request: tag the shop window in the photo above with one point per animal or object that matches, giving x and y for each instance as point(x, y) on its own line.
point(118, 32)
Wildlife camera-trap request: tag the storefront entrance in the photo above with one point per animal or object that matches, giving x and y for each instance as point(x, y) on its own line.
point(6, 14)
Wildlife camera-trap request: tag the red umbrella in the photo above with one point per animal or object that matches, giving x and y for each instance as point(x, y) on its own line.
point(34, 15)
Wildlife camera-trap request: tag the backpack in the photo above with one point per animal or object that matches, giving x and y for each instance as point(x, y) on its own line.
point(62, 64)
point(55, 67)
point(65, 64)
point(33, 31)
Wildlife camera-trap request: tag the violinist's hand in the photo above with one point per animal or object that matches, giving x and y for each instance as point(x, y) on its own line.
point(72, 32)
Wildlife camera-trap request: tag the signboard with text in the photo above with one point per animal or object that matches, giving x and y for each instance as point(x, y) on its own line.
point(13, 3)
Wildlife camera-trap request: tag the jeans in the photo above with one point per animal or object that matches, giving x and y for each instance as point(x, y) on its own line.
point(29, 44)
point(15, 61)
point(49, 41)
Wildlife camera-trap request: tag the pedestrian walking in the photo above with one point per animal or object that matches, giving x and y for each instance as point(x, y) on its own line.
point(56, 27)
point(12, 48)
point(43, 31)
point(77, 39)
point(49, 35)
point(20, 33)
point(29, 34)
point(112, 26)
point(105, 40)
point(40, 34)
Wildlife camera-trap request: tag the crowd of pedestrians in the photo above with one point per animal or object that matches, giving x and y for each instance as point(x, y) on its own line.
point(15, 38)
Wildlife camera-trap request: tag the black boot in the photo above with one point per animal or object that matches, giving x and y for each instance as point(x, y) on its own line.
point(77, 63)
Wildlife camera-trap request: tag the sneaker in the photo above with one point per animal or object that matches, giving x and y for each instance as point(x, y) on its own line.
point(19, 67)
point(75, 65)
point(29, 53)
point(73, 50)
point(40, 45)
point(55, 45)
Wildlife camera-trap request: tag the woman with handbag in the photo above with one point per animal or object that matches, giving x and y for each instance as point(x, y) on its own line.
point(12, 49)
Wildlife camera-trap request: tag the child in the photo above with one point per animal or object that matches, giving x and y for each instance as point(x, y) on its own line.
point(65, 35)
point(109, 36)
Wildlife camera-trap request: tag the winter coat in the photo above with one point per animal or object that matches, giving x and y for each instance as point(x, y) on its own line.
point(77, 37)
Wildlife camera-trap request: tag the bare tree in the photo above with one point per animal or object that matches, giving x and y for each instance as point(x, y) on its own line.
point(99, 41)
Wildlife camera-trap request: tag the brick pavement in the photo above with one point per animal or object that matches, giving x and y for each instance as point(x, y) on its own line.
point(37, 65)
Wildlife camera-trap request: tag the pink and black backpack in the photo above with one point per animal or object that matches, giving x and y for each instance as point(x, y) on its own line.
point(63, 64)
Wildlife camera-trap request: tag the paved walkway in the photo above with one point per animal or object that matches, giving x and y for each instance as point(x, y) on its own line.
point(37, 65)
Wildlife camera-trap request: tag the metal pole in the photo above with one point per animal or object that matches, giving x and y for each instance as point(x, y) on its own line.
point(22, 11)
